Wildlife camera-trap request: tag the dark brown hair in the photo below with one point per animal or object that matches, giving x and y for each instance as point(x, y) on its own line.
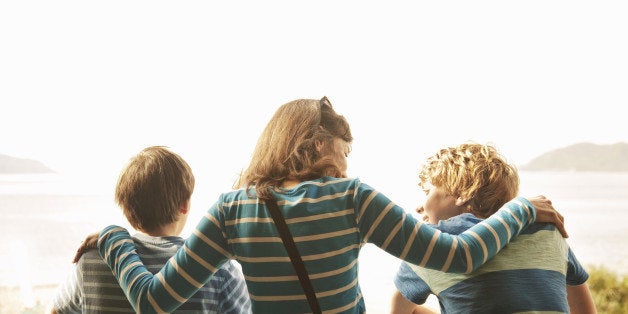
point(152, 187)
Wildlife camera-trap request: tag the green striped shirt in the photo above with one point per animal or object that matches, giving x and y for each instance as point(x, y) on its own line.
point(330, 220)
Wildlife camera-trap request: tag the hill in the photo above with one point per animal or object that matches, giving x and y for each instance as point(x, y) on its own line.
point(582, 157)
point(13, 165)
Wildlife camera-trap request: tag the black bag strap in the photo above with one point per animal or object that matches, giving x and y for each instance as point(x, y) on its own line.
point(295, 257)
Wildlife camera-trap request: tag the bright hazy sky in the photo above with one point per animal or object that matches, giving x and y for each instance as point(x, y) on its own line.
point(86, 84)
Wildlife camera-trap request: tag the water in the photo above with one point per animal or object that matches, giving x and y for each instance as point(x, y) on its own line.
point(595, 206)
point(45, 217)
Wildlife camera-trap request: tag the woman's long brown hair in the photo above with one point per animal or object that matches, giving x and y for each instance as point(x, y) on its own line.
point(286, 149)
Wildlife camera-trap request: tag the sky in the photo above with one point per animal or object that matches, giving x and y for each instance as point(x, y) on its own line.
point(84, 85)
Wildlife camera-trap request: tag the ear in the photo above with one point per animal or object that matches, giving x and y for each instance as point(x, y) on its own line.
point(461, 201)
point(185, 207)
point(420, 209)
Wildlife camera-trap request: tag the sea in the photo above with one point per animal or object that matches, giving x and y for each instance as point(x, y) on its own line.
point(44, 218)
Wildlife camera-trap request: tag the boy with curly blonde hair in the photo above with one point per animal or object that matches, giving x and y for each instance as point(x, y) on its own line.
point(464, 185)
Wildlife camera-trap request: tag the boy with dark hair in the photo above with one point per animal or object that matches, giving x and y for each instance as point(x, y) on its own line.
point(154, 192)
point(464, 185)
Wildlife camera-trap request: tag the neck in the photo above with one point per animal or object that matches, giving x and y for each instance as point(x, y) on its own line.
point(289, 183)
point(169, 230)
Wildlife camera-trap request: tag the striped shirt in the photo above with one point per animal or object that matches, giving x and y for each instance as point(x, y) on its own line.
point(330, 220)
point(92, 288)
point(529, 275)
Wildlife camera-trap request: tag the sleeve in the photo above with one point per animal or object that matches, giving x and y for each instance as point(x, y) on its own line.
point(233, 293)
point(68, 298)
point(186, 272)
point(388, 226)
point(410, 285)
point(576, 274)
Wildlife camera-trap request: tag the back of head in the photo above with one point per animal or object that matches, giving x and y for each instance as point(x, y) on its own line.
point(153, 186)
point(474, 172)
point(286, 149)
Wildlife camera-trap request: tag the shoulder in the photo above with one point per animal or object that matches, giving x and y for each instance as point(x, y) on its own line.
point(333, 183)
point(236, 196)
point(539, 226)
point(148, 245)
point(339, 188)
point(89, 255)
point(89, 260)
point(321, 187)
point(458, 224)
point(90, 269)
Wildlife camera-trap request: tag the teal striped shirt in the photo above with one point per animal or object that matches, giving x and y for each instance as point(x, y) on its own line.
point(330, 220)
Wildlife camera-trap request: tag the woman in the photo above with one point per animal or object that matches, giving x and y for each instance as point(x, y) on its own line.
point(300, 161)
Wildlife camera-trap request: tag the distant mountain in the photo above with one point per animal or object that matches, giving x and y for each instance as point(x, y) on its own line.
point(583, 157)
point(12, 165)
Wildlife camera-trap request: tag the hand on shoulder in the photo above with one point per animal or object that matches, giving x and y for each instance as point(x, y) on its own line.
point(545, 212)
point(89, 243)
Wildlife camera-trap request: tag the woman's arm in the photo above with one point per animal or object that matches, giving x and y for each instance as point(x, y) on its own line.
point(190, 268)
point(388, 226)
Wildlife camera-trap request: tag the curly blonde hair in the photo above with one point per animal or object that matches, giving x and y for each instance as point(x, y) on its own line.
point(474, 172)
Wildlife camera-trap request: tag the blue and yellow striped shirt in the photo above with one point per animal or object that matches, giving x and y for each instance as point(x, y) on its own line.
point(528, 276)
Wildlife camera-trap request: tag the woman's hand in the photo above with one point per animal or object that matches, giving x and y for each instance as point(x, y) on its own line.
point(91, 242)
point(545, 212)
